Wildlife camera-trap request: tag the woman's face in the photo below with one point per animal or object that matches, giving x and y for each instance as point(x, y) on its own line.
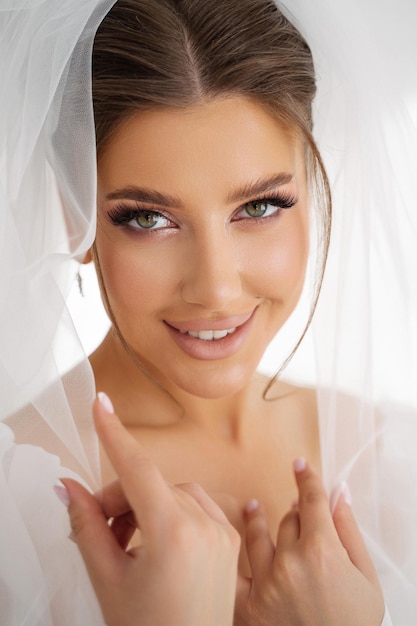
point(202, 237)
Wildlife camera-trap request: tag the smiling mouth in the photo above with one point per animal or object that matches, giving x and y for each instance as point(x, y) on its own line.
point(208, 335)
point(224, 339)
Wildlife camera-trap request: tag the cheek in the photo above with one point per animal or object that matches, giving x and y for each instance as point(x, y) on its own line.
point(280, 260)
point(136, 277)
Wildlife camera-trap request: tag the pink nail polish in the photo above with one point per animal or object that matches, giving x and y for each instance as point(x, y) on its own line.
point(105, 402)
point(300, 465)
point(62, 494)
point(345, 492)
point(251, 506)
point(341, 491)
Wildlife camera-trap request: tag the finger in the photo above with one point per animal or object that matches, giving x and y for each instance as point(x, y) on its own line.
point(113, 500)
point(208, 505)
point(289, 531)
point(350, 535)
point(144, 487)
point(123, 528)
point(259, 546)
point(243, 594)
point(95, 540)
point(313, 504)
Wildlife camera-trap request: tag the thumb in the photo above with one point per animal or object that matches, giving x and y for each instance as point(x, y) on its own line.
point(99, 548)
point(349, 533)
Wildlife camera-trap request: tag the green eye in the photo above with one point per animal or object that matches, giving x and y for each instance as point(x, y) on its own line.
point(256, 209)
point(148, 219)
point(139, 219)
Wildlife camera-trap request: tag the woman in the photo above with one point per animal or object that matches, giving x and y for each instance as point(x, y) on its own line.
point(248, 147)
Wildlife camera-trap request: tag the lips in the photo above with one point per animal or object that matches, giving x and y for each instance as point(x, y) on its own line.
point(225, 323)
point(212, 339)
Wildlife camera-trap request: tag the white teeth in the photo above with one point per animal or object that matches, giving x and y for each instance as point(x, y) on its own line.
point(205, 335)
point(209, 335)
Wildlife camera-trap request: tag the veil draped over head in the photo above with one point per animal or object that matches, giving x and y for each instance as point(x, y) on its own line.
point(364, 331)
point(47, 209)
point(365, 327)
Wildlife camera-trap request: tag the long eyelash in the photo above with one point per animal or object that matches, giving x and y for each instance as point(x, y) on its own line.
point(283, 201)
point(120, 214)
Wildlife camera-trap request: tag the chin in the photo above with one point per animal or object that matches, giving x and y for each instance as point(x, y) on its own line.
point(219, 385)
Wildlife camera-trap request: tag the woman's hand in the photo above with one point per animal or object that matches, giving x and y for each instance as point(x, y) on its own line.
point(319, 574)
point(184, 572)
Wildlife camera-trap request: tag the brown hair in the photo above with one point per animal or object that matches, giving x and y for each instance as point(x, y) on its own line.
point(151, 54)
point(175, 53)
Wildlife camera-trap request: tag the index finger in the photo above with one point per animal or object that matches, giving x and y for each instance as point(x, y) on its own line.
point(144, 487)
point(313, 504)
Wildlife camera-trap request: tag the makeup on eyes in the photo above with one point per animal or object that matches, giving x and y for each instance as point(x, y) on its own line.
point(279, 201)
point(123, 214)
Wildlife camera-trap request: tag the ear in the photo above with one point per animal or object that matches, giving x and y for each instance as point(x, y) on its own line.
point(88, 257)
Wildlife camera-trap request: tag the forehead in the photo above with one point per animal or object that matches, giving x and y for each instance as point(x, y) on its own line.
point(220, 143)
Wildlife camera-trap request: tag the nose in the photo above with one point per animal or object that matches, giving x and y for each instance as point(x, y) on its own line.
point(213, 272)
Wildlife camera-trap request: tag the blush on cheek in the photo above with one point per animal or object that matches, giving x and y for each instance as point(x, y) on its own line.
point(137, 283)
point(282, 261)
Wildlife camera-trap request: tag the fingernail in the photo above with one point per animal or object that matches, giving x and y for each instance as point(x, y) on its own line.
point(251, 506)
point(105, 402)
point(300, 465)
point(294, 504)
point(341, 491)
point(71, 537)
point(62, 494)
point(345, 492)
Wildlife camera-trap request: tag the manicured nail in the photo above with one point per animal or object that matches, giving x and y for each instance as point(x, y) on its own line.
point(300, 465)
point(251, 506)
point(105, 402)
point(71, 537)
point(341, 491)
point(62, 494)
point(346, 494)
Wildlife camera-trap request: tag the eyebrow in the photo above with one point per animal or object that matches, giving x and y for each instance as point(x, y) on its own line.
point(143, 194)
point(260, 186)
point(249, 190)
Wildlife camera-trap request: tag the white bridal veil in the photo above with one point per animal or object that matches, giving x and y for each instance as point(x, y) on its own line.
point(47, 208)
point(365, 328)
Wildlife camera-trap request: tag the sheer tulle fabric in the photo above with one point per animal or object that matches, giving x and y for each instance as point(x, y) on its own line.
point(47, 206)
point(364, 331)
